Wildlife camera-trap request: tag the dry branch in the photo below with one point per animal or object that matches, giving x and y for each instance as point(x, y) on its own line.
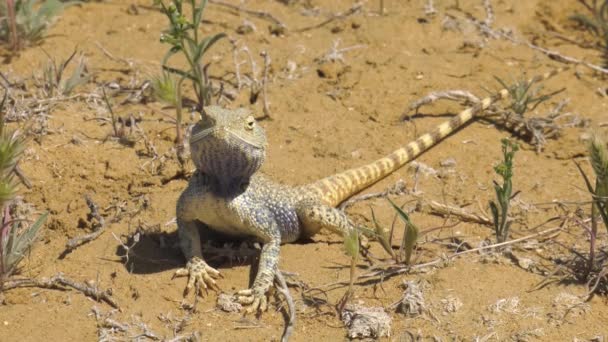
point(284, 290)
point(388, 270)
point(60, 282)
point(338, 16)
point(448, 210)
point(81, 240)
point(260, 14)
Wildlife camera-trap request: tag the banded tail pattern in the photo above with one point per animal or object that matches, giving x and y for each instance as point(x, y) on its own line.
point(334, 189)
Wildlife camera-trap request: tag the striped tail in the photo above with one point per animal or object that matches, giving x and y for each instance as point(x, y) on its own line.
point(334, 189)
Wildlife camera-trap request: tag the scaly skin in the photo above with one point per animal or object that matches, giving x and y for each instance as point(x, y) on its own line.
point(228, 195)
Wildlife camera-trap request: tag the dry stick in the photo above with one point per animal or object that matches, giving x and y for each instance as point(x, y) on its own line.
point(397, 189)
point(489, 20)
point(59, 281)
point(266, 109)
point(22, 177)
point(81, 240)
point(404, 268)
point(429, 8)
point(454, 95)
point(555, 55)
point(290, 304)
point(259, 14)
point(112, 57)
point(355, 9)
point(444, 209)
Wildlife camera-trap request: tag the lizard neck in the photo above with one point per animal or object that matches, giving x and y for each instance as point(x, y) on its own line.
point(224, 186)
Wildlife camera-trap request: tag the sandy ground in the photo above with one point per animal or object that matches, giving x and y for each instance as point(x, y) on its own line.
point(326, 116)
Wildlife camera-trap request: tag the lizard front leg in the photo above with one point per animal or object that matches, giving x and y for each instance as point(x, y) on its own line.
point(200, 275)
point(269, 260)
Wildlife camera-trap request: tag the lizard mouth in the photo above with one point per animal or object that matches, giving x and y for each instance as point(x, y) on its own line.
point(220, 133)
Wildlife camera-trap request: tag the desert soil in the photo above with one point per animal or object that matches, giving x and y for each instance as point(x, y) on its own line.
point(326, 115)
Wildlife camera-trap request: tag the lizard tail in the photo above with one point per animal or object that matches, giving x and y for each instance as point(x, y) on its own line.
point(334, 189)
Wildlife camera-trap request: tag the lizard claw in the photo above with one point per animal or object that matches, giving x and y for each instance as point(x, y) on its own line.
point(199, 274)
point(256, 300)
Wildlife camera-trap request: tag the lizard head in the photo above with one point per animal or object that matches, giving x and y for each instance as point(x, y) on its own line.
point(228, 144)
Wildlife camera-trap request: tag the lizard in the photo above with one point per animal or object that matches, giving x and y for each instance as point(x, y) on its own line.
point(227, 193)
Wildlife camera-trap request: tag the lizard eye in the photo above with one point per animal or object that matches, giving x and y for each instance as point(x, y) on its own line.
point(250, 122)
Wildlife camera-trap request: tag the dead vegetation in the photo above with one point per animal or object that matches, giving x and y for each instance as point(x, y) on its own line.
point(443, 225)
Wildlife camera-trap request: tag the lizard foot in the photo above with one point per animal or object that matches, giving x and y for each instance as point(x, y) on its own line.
point(255, 298)
point(199, 274)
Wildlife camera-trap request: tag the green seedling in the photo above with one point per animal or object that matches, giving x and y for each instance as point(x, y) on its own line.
point(598, 155)
point(351, 246)
point(167, 88)
point(524, 95)
point(16, 237)
point(382, 236)
point(596, 23)
point(500, 208)
point(410, 235)
point(26, 22)
point(54, 81)
point(183, 37)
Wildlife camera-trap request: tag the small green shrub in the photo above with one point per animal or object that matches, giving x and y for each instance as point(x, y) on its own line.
point(54, 81)
point(25, 22)
point(500, 209)
point(596, 23)
point(183, 37)
point(16, 236)
point(524, 96)
point(410, 235)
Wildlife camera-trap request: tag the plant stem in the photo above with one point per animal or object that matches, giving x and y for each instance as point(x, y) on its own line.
point(12, 22)
point(592, 238)
point(179, 139)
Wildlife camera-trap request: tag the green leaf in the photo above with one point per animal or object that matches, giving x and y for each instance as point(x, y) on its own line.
point(165, 88)
point(198, 13)
point(351, 243)
point(382, 236)
point(587, 182)
point(21, 242)
point(182, 73)
point(209, 41)
point(410, 236)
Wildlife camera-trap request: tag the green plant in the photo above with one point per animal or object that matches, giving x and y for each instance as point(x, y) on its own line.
point(54, 82)
point(165, 88)
point(597, 23)
point(168, 89)
point(16, 237)
point(500, 211)
point(351, 246)
point(524, 97)
point(183, 37)
point(410, 235)
point(598, 155)
point(26, 22)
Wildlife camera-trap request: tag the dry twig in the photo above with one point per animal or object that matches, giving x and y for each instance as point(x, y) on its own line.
point(338, 16)
point(94, 214)
point(60, 282)
point(444, 209)
point(266, 108)
point(284, 290)
point(262, 15)
point(389, 270)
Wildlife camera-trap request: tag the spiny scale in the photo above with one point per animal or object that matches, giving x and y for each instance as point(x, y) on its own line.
point(334, 189)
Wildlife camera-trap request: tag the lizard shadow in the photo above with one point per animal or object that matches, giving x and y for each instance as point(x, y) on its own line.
point(157, 251)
